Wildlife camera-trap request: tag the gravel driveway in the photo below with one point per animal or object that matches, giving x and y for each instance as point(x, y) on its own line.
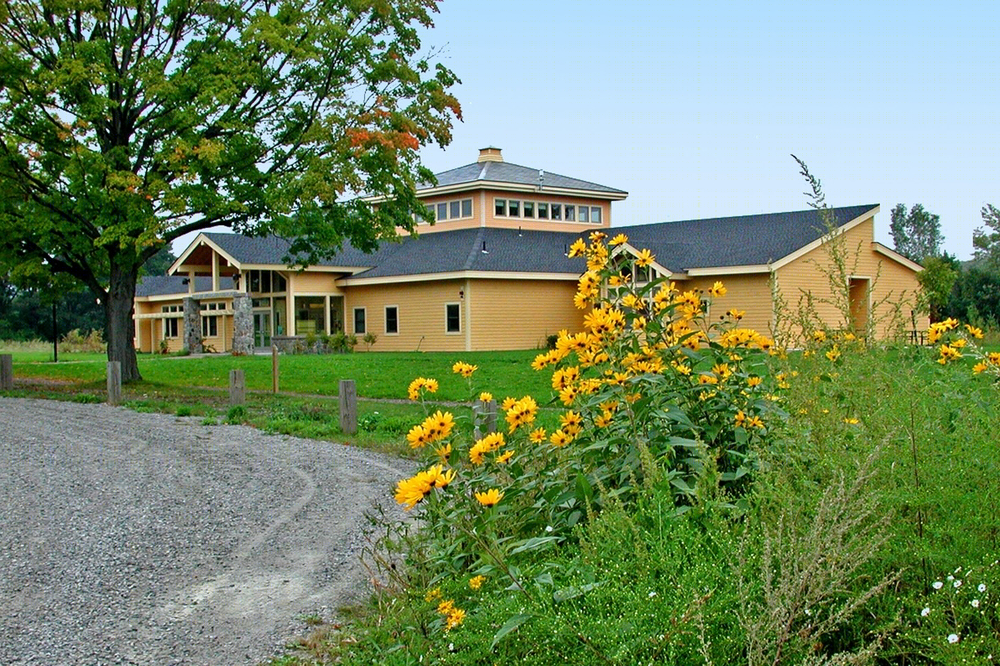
point(131, 538)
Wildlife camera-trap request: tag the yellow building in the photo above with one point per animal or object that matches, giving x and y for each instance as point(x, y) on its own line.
point(492, 272)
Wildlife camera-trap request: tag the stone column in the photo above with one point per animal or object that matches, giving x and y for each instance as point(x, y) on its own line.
point(192, 326)
point(242, 325)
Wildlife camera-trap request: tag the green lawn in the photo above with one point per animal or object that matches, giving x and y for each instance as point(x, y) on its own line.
point(377, 375)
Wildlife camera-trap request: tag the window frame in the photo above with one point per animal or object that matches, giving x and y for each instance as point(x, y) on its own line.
point(447, 321)
point(364, 320)
point(208, 324)
point(385, 322)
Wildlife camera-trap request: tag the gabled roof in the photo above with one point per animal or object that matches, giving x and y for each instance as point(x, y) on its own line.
point(506, 173)
point(747, 240)
point(163, 285)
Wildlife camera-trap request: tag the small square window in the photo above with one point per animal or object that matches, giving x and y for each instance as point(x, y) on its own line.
point(442, 212)
point(359, 321)
point(556, 211)
point(455, 210)
point(543, 211)
point(391, 319)
point(595, 214)
point(514, 208)
point(529, 208)
point(500, 207)
point(571, 213)
point(453, 318)
point(466, 207)
point(584, 214)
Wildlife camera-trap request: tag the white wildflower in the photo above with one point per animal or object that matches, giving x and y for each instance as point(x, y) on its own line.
point(937, 585)
point(982, 587)
point(975, 603)
point(925, 612)
point(952, 638)
point(957, 584)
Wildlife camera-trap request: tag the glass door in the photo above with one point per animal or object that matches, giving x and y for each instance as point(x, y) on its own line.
point(262, 329)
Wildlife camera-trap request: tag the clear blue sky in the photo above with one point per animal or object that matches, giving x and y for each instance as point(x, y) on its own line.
point(693, 108)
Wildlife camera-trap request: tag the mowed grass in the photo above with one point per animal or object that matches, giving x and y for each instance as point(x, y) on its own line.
point(376, 375)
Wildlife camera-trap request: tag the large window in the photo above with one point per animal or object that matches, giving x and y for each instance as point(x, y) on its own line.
point(452, 210)
point(170, 328)
point(453, 318)
point(209, 327)
point(359, 321)
point(546, 210)
point(391, 320)
point(264, 282)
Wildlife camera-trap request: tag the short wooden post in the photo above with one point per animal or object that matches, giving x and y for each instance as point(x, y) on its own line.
point(6, 372)
point(274, 368)
point(484, 418)
point(237, 387)
point(348, 407)
point(114, 382)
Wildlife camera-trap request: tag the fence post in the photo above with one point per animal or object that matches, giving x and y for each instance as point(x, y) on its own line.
point(114, 382)
point(348, 407)
point(274, 368)
point(6, 372)
point(484, 417)
point(237, 387)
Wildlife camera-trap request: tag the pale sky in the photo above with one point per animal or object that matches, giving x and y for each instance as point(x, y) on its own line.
point(693, 108)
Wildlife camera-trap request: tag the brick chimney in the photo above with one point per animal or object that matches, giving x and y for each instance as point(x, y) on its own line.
point(490, 154)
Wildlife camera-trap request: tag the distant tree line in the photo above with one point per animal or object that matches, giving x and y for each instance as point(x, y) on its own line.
point(968, 291)
point(26, 310)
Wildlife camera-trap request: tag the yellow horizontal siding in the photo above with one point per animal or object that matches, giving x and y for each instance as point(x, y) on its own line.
point(421, 314)
point(749, 293)
point(892, 281)
point(520, 314)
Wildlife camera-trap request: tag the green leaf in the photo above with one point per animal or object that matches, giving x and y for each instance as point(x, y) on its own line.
point(574, 591)
point(535, 543)
point(509, 626)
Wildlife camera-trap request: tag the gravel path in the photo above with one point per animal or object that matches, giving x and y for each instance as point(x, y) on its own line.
point(130, 538)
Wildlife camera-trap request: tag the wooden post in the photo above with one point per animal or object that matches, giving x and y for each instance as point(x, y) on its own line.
point(237, 387)
point(274, 368)
point(348, 407)
point(484, 418)
point(114, 382)
point(6, 372)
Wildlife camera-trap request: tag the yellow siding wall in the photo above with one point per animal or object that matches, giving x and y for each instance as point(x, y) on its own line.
point(749, 293)
point(520, 314)
point(890, 280)
point(314, 282)
point(421, 314)
point(505, 314)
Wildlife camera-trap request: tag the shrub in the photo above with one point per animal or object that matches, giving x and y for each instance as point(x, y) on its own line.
point(75, 341)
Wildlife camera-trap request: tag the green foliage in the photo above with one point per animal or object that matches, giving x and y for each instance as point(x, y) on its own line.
point(916, 235)
point(264, 119)
point(936, 283)
point(236, 415)
point(986, 239)
point(369, 339)
point(975, 297)
point(74, 341)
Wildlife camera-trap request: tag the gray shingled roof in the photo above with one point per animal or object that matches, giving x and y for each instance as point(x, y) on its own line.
point(733, 241)
point(506, 172)
point(679, 246)
point(163, 285)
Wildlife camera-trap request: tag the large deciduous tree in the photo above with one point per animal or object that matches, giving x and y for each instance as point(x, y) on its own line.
point(127, 123)
point(917, 234)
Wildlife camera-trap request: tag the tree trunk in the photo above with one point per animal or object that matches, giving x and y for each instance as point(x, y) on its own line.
point(119, 327)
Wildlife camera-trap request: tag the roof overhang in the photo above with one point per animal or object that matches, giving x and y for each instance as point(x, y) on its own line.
point(201, 240)
point(842, 229)
point(728, 270)
point(457, 275)
point(896, 256)
point(510, 187)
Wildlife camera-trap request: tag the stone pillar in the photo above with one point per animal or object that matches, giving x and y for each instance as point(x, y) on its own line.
point(192, 326)
point(242, 325)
